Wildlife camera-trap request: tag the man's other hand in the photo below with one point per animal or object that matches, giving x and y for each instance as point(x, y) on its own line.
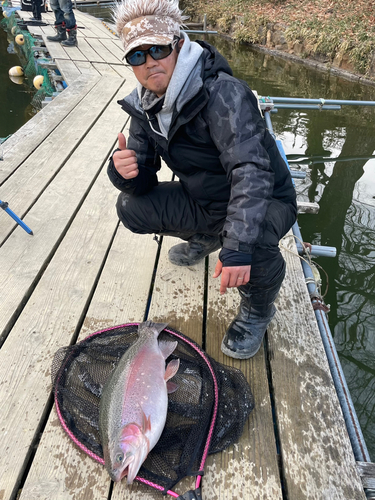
point(125, 160)
point(231, 276)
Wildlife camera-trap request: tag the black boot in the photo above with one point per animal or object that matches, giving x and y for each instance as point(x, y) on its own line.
point(245, 334)
point(196, 249)
point(72, 38)
point(61, 34)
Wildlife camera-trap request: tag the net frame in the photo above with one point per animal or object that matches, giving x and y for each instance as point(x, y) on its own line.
point(100, 460)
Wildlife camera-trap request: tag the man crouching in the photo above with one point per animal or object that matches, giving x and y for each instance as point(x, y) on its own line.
point(234, 191)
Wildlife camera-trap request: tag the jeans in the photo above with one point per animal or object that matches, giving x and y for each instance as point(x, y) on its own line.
point(63, 10)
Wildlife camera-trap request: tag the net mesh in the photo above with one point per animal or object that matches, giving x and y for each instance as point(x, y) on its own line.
point(79, 373)
point(29, 63)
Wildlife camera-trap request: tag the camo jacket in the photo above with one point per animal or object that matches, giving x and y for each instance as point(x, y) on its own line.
point(219, 148)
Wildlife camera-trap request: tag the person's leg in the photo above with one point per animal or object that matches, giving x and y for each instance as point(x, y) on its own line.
point(67, 8)
point(59, 22)
point(36, 9)
point(245, 334)
point(168, 210)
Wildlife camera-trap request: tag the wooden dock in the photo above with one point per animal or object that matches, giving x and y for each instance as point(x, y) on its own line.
point(82, 271)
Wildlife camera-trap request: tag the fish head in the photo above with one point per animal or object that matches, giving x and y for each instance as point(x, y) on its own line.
point(126, 454)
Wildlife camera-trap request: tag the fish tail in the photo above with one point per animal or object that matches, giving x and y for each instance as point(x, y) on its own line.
point(156, 328)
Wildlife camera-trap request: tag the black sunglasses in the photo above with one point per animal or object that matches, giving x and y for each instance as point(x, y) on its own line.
point(157, 52)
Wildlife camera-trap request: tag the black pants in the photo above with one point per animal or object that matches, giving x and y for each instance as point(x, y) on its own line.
point(37, 9)
point(168, 209)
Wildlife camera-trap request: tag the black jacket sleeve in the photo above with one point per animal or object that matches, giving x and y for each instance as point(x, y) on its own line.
point(238, 132)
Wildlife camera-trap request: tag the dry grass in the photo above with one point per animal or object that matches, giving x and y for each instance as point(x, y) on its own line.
point(327, 28)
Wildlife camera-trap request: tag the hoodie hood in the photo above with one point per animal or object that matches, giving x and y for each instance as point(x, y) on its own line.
point(183, 82)
point(213, 61)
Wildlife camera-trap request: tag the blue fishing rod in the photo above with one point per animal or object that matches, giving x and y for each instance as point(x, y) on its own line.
point(4, 206)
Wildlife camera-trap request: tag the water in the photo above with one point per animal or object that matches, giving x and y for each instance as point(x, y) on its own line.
point(15, 99)
point(343, 186)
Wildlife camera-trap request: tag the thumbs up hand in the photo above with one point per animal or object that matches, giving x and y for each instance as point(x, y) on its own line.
point(125, 160)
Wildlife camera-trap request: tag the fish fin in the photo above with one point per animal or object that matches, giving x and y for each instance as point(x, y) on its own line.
point(167, 347)
point(146, 423)
point(171, 387)
point(172, 369)
point(159, 327)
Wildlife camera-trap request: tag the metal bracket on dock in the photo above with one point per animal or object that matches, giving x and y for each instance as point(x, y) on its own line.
point(39, 48)
point(265, 104)
point(366, 470)
point(307, 207)
point(47, 65)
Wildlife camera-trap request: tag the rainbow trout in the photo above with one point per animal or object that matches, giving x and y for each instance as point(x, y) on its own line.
point(134, 402)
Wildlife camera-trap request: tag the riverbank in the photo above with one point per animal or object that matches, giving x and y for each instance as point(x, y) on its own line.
point(337, 36)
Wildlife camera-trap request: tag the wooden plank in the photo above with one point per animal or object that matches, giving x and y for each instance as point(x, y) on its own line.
point(106, 31)
point(317, 456)
point(86, 67)
point(83, 31)
point(35, 30)
point(23, 189)
point(75, 53)
point(48, 17)
point(49, 31)
point(119, 43)
point(178, 300)
point(105, 69)
point(55, 49)
point(114, 48)
point(93, 26)
point(35, 338)
point(49, 318)
point(249, 468)
point(25, 15)
point(21, 259)
point(27, 138)
point(120, 296)
point(68, 69)
point(99, 46)
point(71, 474)
point(124, 71)
point(90, 54)
point(366, 470)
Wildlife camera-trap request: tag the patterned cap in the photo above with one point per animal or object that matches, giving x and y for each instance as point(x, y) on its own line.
point(156, 30)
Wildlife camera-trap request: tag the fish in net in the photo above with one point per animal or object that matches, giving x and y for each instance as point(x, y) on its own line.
point(205, 415)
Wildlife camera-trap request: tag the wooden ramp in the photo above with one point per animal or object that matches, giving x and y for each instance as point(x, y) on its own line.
point(99, 51)
point(82, 271)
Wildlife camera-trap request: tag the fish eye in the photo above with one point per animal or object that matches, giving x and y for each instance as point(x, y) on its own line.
point(119, 457)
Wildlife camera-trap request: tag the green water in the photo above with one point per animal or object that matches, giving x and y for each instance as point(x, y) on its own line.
point(344, 187)
point(15, 99)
